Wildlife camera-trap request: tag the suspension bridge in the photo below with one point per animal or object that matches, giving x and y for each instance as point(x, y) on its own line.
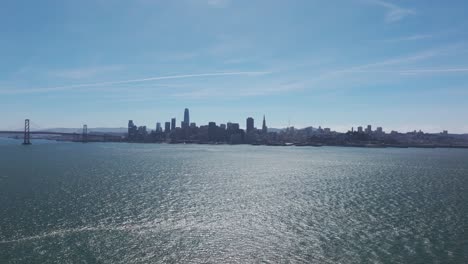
point(82, 136)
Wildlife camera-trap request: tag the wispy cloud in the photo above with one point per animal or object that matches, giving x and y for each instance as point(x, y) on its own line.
point(389, 65)
point(394, 13)
point(412, 58)
point(109, 83)
point(410, 38)
point(393, 61)
point(384, 70)
point(363, 73)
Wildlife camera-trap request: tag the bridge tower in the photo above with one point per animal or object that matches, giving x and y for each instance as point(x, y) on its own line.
point(27, 134)
point(85, 133)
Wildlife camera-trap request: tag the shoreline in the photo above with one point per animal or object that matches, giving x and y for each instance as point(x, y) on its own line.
point(351, 145)
point(315, 145)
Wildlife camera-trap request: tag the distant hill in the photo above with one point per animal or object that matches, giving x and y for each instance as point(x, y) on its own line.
point(283, 129)
point(276, 129)
point(99, 130)
point(118, 130)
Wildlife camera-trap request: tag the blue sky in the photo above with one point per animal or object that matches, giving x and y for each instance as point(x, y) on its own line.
point(398, 64)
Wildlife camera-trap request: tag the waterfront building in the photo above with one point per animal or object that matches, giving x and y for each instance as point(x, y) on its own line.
point(167, 127)
point(212, 131)
point(142, 132)
point(369, 129)
point(158, 127)
point(250, 125)
point(359, 129)
point(132, 130)
point(173, 124)
point(233, 126)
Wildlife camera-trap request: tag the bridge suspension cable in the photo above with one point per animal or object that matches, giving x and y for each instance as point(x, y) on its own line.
point(35, 126)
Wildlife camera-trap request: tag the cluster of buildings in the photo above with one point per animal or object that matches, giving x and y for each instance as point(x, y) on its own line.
point(231, 133)
point(189, 132)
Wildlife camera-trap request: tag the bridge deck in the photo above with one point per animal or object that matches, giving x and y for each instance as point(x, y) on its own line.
point(58, 133)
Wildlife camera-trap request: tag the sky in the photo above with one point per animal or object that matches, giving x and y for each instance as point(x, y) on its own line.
point(399, 64)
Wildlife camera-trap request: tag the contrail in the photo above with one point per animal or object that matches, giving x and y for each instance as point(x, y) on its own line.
point(185, 76)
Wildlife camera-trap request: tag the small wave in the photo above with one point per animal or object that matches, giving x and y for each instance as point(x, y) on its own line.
point(60, 233)
point(139, 228)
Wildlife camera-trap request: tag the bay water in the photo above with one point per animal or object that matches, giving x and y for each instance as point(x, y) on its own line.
point(160, 203)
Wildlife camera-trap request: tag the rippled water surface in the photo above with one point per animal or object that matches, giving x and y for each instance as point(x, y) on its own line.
point(144, 203)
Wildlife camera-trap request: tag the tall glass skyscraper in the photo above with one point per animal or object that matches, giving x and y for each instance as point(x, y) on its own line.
point(186, 117)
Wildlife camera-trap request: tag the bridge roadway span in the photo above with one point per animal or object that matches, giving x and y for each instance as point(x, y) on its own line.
point(42, 133)
point(59, 134)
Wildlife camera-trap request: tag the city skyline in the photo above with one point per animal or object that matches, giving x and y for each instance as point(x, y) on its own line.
point(249, 126)
point(171, 125)
point(396, 64)
point(234, 134)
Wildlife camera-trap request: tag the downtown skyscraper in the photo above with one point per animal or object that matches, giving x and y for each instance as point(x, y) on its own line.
point(264, 127)
point(250, 125)
point(173, 124)
point(186, 122)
